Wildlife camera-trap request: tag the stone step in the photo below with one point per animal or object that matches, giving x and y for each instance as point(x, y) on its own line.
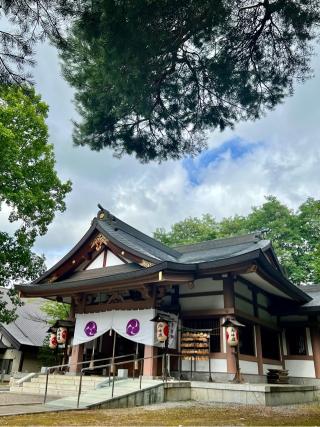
point(66, 387)
point(68, 383)
point(101, 395)
point(65, 378)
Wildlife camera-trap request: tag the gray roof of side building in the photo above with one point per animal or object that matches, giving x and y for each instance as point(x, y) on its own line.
point(30, 327)
point(314, 292)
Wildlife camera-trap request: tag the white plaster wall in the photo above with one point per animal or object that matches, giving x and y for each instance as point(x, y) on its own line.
point(284, 343)
point(210, 302)
point(217, 365)
point(202, 285)
point(309, 344)
point(96, 263)
point(224, 340)
point(243, 290)
point(255, 339)
point(267, 366)
point(5, 341)
point(300, 368)
point(15, 355)
point(248, 367)
point(112, 259)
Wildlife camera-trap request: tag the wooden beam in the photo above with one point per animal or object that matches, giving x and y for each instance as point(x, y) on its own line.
point(125, 305)
point(254, 319)
point(201, 294)
point(207, 313)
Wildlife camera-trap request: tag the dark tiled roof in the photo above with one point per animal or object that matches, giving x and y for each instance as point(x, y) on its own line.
point(30, 328)
point(199, 252)
point(133, 239)
point(102, 272)
point(213, 250)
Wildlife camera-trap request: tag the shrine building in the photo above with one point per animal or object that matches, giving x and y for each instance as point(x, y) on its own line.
point(117, 280)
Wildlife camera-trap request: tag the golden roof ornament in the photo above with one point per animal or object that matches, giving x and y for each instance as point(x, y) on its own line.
point(98, 242)
point(145, 263)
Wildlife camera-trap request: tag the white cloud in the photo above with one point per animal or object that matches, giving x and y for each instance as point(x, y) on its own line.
point(153, 195)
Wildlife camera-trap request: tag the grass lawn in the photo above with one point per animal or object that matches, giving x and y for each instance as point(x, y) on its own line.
point(184, 414)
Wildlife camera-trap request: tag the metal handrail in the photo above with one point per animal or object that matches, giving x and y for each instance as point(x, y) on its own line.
point(49, 368)
point(135, 360)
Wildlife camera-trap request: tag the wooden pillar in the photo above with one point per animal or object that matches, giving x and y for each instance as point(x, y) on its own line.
point(76, 357)
point(257, 330)
point(229, 302)
point(77, 350)
point(315, 341)
point(150, 365)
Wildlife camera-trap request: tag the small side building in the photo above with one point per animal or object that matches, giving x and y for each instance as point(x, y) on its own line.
point(20, 340)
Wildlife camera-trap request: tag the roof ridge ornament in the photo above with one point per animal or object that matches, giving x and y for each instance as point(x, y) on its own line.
point(98, 242)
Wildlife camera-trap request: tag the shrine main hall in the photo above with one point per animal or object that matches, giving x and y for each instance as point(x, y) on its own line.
point(117, 280)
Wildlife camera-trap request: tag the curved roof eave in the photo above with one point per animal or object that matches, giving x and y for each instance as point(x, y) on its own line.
point(94, 227)
point(64, 286)
point(68, 255)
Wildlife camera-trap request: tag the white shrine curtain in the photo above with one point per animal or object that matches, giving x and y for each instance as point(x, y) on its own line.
point(135, 325)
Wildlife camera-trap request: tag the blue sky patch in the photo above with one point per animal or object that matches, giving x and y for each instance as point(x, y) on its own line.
point(235, 148)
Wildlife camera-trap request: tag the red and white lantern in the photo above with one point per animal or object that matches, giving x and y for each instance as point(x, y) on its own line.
point(232, 334)
point(62, 335)
point(162, 331)
point(53, 343)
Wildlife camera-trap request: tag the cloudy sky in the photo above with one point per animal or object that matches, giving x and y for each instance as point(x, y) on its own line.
point(278, 155)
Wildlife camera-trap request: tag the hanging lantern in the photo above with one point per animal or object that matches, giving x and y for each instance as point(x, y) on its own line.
point(232, 336)
point(162, 331)
point(53, 343)
point(62, 335)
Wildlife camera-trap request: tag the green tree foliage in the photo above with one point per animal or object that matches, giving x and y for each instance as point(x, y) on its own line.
point(23, 23)
point(55, 311)
point(29, 186)
point(189, 230)
point(295, 234)
point(152, 76)
point(48, 356)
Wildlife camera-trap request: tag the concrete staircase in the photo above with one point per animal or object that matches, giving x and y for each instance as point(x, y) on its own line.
point(126, 393)
point(58, 385)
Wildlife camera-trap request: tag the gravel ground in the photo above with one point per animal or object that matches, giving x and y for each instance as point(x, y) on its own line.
point(177, 414)
point(205, 404)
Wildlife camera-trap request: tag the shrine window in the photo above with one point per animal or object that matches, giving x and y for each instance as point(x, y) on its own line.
point(6, 366)
point(270, 343)
point(296, 341)
point(247, 340)
point(211, 323)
